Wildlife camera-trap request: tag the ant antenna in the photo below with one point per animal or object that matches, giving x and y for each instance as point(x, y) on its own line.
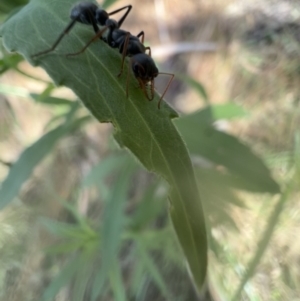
point(120, 22)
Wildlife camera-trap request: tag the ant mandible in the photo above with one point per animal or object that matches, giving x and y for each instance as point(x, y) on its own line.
point(90, 14)
point(145, 71)
point(142, 64)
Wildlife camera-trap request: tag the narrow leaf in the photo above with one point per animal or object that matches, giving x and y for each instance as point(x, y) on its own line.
point(82, 278)
point(22, 169)
point(59, 229)
point(104, 168)
point(195, 85)
point(50, 100)
point(62, 279)
point(139, 125)
point(113, 223)
point(221, 148)
point(153, 271)
point(116, 282)
point(227, 111)
point(264, 242)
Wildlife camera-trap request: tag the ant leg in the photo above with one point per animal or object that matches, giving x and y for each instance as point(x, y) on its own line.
point(94, 38)
point(66, 30)
point(142, 83)
point(125, 46)
point(148, 48)
point(127, 80)
point(143, 87)
point(141, 34)
point(152, 89)
point(94, 23)
point(120, 22)
point(167, 87)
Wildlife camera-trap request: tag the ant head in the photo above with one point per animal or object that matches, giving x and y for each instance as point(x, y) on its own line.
point(101, 16)
point(144, 67)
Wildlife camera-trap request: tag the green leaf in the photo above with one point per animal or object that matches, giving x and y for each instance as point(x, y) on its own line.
point(138, 275)
point(116, 281)
point(113, 216)
point(148, 209)
point(9, 62)
point(22, 169)
point(60, 229)
point(62, 279)
point(104, 168)
point(113, 223)
point(67, 247)
point(6, 6)
point(217, 190)
point(227, 111)
point(195, 85)
point(13, 90)
point(297, 155)
point(204, 140)
point(82, 277)
point(50, 100)
point(264, 241)
point(82, 221)
point(152, 270)
point(146, 131)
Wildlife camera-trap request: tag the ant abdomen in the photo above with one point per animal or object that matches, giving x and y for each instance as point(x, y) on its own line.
point(84, 12)
point(132, 44)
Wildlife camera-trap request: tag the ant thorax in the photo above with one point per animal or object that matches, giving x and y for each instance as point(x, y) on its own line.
point(121, 38)
point(117, 38)
point(135, 46)
point(111, 26)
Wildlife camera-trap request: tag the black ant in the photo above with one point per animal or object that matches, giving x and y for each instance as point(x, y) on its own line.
point(90, 14)
point(142, 64)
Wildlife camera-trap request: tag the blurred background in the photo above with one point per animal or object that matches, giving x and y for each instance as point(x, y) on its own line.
point(237, 70)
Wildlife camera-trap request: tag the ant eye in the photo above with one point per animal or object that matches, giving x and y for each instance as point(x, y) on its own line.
point(136, 68)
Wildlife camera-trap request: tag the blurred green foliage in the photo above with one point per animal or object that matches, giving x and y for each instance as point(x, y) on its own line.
point(126, 231)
